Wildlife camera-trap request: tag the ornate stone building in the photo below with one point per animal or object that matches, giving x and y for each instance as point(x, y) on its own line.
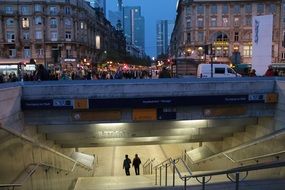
point(227, 26)
point(56, 32)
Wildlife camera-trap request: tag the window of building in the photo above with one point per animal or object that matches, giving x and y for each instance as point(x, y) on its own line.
point(68, 53)
point(27, 52)
point(10, 36)
point(38, 35)
point(236, 9)
point(38, 20)
point(200, 22)
point(53, 10)
point(26, 35)
point(40, 53)
point(200, 9)
point(25, 10)
point(67, 1)
point(225, 9)
point(38, 8)
point(247, 51)
point(213, 22)
point(282, 55)
point(12, 52)
point(25, 22)
point(188, 11)
point(236, 38)
point(10, 22)
point(200, 36)
point(225, 21)
point(68, 36)
point(67, 10)
point(214, 9)
point(248, 21)
point(236, 21)
point(260, 8)
point(248, 8)
point(188, 23)
point(9, 10)
point(188, 37)
point(53, 36)
point(53, 22)
point(247, 36)
point(81, 25)
point(67, 22)
point(272, 9)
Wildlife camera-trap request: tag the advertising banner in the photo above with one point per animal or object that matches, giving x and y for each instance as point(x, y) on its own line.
point(262, 27)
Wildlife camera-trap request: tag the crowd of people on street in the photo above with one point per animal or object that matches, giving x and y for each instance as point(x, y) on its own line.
point(42, 74)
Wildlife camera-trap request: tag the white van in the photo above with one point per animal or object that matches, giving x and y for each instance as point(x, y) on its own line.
point(219, 70)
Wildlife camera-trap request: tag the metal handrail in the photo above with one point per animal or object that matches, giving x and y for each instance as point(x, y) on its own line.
point(176, 161)
point(148, 166)
point(146, 162)
point(33, 170)
point(253, 167)
point(168, 160)
point(26, 138)
point(186, 158)
point(258, 140)
point(159, 166)
point(235, 171)
point(274, 154)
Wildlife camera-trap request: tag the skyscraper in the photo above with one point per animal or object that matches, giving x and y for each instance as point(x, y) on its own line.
point(129, 19)
point(120, 5)
point(163, 35)
point(134, 26)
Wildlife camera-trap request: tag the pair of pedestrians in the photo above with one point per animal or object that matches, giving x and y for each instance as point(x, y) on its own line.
point(136, 164)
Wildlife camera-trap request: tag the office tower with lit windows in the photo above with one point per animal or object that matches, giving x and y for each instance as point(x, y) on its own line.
point(134, 27)
point(163, 34)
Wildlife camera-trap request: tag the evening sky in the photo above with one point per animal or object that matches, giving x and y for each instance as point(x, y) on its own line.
point(152, 10)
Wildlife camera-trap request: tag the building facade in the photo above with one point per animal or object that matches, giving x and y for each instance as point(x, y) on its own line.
point(163, 35)
point(101, 4)
point(224, 30)
point(55, 33)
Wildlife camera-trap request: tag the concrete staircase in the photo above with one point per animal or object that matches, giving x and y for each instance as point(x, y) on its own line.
point(147, 182)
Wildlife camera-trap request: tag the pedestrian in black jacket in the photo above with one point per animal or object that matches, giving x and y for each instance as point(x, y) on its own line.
point(127, 164)
point(136, 164)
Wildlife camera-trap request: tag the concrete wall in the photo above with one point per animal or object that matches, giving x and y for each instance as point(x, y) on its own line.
point(146, 88)
point(17, 154)
point(265, 125)
point(110, 159)
point(280, 110)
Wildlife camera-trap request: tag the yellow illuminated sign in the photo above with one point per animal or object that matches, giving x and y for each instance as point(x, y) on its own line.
point(149, 114)
point(271, 98)
point(81, 104)
point(224, 111)
point(97, 116)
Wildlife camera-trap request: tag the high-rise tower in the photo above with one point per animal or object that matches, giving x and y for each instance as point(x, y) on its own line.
point(163, 34)
point(120, 5)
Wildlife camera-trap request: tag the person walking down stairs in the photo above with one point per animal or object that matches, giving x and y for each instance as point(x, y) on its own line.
point(136, 164)
point(127, 164)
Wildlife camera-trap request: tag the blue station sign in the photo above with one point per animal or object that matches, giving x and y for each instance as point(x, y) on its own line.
point(150, 102)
